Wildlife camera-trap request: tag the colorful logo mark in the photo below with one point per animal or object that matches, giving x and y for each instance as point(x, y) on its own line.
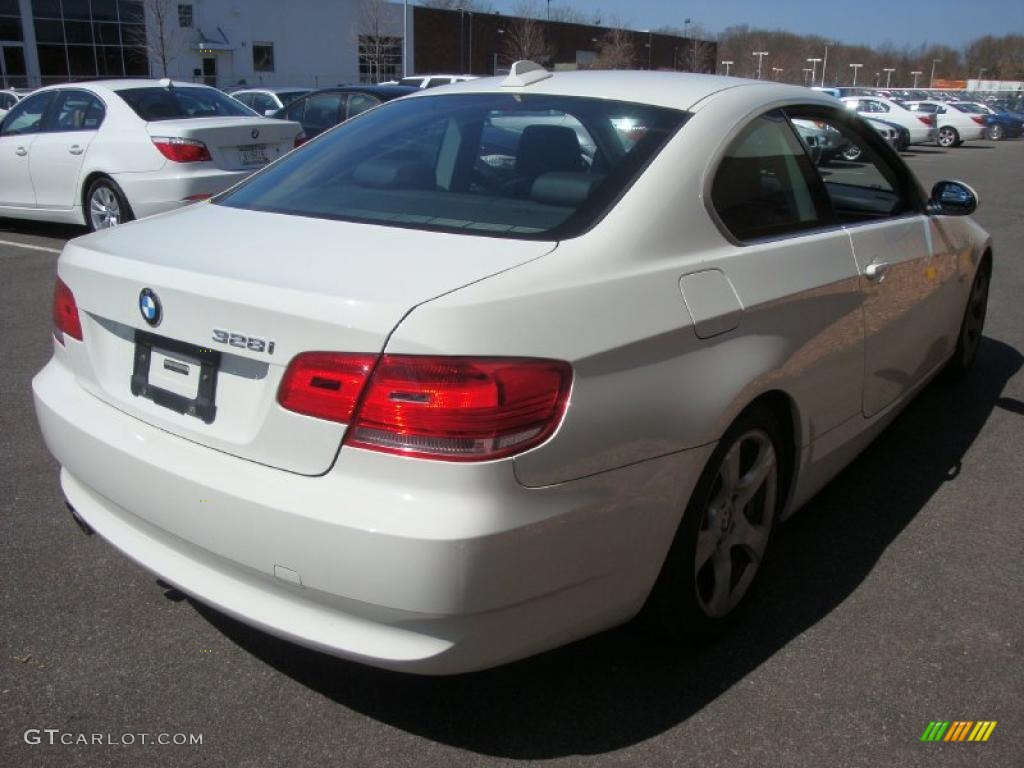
point(958, 730)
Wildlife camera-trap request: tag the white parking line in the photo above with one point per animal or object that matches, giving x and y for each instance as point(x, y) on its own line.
point(30, 247)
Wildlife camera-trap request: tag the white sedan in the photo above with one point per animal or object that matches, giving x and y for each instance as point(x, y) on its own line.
point(922, 126)
point(955, 126)
point(102, 153)
point(266, 101)
point(397, 403)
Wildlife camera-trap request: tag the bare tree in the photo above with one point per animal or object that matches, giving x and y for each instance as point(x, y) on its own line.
point(161, 37)
point(616, 50)
point(526, 37)
point(376, 46)
point(476, 6)
point(569, 13)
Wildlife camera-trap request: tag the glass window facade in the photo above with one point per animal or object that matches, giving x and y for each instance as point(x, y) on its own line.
point(12, 53)
point(89, 39)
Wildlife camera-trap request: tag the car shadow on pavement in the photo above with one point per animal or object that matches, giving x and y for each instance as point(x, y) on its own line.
point(41, 229)
point(622, 687)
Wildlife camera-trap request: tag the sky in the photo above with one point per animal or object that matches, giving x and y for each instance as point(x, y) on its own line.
point(872, 22)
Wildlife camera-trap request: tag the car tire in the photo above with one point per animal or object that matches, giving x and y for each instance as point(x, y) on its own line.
point(106, 205)
point(972, 326)
point(948, 137)
point(851, 153)
point(997, 133)
point(698, 597)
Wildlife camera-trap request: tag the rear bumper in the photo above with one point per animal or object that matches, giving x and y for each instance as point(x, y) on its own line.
point(173, 186)
point(409, 565)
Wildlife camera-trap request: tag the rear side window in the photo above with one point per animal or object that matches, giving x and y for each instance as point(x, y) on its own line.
point(154, 103)
point(525, 166)
point(76, 111)
point(323, 110)
point(766, 184)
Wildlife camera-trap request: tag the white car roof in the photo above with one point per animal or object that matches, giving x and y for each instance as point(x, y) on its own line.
point(270, 90)
point(120, 85)
point(676, 90)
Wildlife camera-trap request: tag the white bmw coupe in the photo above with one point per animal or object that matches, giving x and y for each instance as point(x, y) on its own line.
point(491, 368)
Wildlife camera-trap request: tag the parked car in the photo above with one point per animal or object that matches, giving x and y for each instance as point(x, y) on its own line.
point(8, 99)
point(267, 101)
point(1000, 124)
point(105, 152)
point(400, 404)
point(319, 110)
point(922, 127)
point(955, 127)
point(433, 81)
point(824, 143)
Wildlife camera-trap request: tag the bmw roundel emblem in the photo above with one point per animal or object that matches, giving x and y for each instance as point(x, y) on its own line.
point(149, 306)
point(255, 133)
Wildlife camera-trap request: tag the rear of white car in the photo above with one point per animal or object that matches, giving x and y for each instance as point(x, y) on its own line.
point(194, 156)
point(922, 126)
point(284, 463)
point(955, 126)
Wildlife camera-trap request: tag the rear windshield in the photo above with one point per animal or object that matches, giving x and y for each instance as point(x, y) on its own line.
point(506, 165)
point(155, 103)
point(288, 96)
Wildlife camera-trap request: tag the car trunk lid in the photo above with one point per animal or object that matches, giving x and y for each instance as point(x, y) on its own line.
point(234, 143)
point(238, 307)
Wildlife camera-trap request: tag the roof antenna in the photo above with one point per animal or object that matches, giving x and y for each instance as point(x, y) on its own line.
point(167, 83)
point(525, 72)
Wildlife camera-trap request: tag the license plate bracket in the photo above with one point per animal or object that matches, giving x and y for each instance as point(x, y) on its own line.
point(203, 405)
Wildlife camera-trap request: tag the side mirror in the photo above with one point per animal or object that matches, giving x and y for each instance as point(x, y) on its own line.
point(953, 198)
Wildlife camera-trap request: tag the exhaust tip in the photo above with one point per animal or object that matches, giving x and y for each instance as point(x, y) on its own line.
point(78, 520)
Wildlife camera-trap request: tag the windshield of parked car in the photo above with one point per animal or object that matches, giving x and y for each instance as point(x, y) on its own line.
point(505, 165)
point(156, 103)
point(970, 108)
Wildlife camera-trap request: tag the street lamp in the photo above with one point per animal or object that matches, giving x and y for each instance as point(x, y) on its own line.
point(888, 75)
point(727, 63)
point(916, 73)
point(855, 67)
point(686, 27)
point(825, 62)
point(760, 57)
point(981, 72)
point(814, 68)
point(807, 72)
point(878, 76)
point(931, 81)
point(775, 72)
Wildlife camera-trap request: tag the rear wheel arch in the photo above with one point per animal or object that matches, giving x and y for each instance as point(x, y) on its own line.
point(87, 185)
point(785, 410)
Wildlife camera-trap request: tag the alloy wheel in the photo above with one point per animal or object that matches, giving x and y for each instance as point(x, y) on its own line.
point(104, 208)
point(974, 319)
point(947, 137)
point(736, 524)
point(995, 132)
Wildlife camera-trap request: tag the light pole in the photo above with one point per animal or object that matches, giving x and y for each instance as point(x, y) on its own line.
point(981, 72)
point(855, 67)
point(727, 63)
point(405, 38)
point(931, 80)
point(650, 47)
point(807, 72)
point(760, 57)
point(916, 73)
point(775, 72)
point(686, 27)
point(825, 62)
point(888, 75)
point(814, 68)
point(549, 12)
point(878, 76)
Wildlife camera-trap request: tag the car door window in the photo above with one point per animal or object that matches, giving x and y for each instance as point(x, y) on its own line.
point(263, 103)
point(765, 185)
point(862, 183)
point(76, 111)
point(27, 115)
point(360, 102)
point(323, 111)
point(296, 110)
point(245, 98)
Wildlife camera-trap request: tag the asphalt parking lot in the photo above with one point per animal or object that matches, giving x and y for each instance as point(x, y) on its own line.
point(894, 599)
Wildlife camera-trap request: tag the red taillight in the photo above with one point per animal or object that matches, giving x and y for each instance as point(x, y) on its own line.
point(449, 408)
point(458, 408)
point(928, 120)
point(181, 150)
point(65, 313)
point(325, 384)
point(978, 119)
